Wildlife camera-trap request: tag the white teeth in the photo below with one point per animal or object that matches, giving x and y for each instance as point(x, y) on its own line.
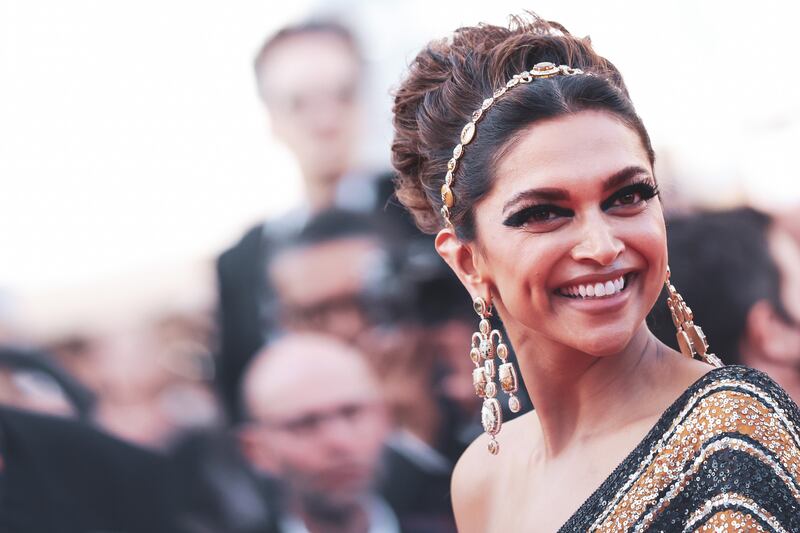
point(599, 289)
point(595, 290)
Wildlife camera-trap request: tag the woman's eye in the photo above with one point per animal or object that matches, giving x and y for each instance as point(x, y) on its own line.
point(537, 214)
point(631, 195)
point(541, 215)
point(629, 198)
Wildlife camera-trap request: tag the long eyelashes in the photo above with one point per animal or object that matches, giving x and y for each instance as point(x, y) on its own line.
point(536, 213)
point(628, 196)
point(631, 194)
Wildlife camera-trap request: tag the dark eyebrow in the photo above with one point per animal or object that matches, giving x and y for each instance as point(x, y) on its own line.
point(560, 195)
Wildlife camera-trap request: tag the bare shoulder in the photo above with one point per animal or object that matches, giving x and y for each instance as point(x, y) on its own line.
point(477, 470)
point(471, 475)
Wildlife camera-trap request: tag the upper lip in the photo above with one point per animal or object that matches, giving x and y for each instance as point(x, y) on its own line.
point(596, 277)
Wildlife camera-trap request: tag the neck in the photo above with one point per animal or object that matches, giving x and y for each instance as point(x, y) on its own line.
point(320, 189)
point(322, 517)
point(579, 396)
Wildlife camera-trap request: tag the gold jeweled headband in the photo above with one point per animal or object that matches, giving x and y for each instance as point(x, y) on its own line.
point(539, 70)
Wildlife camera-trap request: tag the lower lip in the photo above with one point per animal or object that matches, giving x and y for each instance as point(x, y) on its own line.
point(605, 304)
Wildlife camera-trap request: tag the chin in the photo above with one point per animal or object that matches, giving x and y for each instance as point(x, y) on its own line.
point(605, 342)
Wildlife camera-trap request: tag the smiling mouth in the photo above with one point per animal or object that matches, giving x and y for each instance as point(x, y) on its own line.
point(593, 291)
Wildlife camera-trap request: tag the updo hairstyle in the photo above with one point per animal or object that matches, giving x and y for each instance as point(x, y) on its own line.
point(450, 78)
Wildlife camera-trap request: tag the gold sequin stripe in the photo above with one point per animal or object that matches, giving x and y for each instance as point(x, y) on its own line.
point(731, 520)
point(623, 497)
point(710, 419)
point(539, 71)
point(724, 500)
point(727, 443)
point(690, 405)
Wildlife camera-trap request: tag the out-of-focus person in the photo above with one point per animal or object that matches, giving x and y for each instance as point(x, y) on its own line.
point(341, 277)
point(316, 420)
point(309, 78)
point(32, 380)
point(152, 377)
point(61, 474)
point(337, 276)
point(741, 272)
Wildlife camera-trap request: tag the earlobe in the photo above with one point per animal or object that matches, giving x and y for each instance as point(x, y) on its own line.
point(463, 260)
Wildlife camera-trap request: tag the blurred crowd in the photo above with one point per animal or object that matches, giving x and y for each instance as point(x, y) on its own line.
point(330, 390)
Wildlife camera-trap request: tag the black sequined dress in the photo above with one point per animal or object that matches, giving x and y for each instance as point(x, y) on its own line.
point(724, 457)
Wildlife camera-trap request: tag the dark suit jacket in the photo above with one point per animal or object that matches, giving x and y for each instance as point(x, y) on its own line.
point(63, 476)
point(241, 283)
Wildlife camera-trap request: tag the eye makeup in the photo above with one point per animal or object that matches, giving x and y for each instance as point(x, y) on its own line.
point(536, 214)
point(641, 190)
point(629, 195)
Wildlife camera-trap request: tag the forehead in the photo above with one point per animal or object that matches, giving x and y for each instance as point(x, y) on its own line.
point(314, 59)
point(327, 382)
point(576, 151)
point(328, 269)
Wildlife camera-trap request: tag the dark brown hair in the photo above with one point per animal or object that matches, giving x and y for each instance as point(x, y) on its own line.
point(450, 78)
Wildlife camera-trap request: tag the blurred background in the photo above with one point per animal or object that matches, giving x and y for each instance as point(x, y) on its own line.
point(135, 148)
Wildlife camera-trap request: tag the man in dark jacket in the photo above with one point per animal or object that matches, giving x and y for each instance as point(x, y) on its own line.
point(316, 114)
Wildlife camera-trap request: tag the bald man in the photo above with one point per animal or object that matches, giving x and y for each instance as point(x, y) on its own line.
point(318, 423)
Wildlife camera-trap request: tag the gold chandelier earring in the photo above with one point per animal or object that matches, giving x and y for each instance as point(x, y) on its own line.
point(487, 345)
point(691, 339)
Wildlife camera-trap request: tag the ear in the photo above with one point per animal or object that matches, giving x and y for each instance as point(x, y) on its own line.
point(768, 336)
point(254, 445)
point(464, 260)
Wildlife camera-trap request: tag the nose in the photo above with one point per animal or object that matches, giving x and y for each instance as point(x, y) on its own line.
point(338, 434)
point(598, 242)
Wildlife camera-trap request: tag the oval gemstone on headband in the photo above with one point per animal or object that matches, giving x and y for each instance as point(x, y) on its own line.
point(458, 150)
point(544, 66)
point(451, 165)
point(545, 69)
point(467, 133)
point(447, 195)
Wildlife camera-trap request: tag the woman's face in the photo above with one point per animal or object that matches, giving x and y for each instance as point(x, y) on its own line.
point(571, 239)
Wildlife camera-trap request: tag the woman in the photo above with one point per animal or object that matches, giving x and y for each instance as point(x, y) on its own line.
point(548, 211)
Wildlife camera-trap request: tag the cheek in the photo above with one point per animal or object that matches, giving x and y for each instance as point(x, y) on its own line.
point(520, 268)
point(648, 238)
